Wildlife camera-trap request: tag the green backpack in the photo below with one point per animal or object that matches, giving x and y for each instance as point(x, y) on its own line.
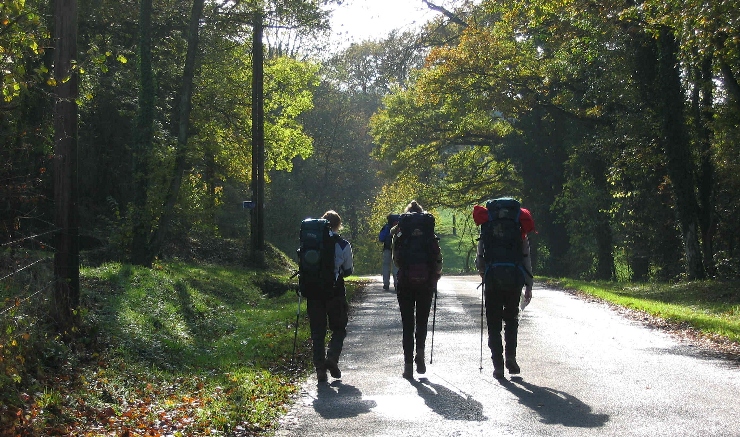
point(316, 278)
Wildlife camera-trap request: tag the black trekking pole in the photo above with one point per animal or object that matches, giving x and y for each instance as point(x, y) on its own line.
point(297, 318)
point(482, 289)
point(295, 336)
point(434, 319)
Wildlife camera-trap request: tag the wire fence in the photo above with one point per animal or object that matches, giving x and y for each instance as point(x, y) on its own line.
point(26, 273)
point(26, 288)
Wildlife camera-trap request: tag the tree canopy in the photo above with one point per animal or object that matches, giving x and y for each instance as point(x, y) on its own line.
point(615, 123)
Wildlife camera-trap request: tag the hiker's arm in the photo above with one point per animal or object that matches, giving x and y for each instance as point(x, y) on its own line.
point(479, 263)
point(527, 262)
point(439, 259)
point(348, 263)
point(394, 247)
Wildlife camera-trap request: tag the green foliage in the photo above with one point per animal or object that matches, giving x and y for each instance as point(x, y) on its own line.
point(727, 158)
point(28, 343)
point(556, 103)
point(288, 94)
point(458, 240)
point(580, 206)
point(206, 347)
point(339, 174)
point(23, 36)
point(435, 154)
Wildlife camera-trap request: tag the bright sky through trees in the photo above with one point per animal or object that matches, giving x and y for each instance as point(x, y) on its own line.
point(359, 20)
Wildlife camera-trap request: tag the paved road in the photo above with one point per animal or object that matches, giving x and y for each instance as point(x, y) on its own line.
point(585, 371)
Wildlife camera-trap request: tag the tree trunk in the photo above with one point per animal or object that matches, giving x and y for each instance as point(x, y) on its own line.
point(731, 83)
point(66, 296)
point(142, 220)
point(703, 114)
point(258, 144)
point(676, 144)
point(186, 94)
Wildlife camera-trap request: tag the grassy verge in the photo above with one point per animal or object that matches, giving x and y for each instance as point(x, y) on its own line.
point(712, 307)
point(179, 349)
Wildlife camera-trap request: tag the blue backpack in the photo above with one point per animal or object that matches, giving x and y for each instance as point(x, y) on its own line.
point(502, 245)
point(385, 236)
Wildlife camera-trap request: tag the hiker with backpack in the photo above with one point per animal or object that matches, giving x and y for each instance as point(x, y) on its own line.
point(505, 267)
point(418, 257)
point(325, 259)
point(385, 237)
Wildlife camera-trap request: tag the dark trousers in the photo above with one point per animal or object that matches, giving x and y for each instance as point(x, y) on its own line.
point(334, 311)
point(502, 307)
point(414, 322)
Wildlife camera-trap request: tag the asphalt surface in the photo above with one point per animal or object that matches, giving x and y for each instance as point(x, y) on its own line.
point(586, 371)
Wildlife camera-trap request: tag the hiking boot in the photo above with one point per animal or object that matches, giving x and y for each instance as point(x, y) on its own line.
point(321, 375)
point(408, 370)
point(421, 366)
point(498, 368)
point(512, 365)
point(498, 372)
point(385, 287)
point(333, 368)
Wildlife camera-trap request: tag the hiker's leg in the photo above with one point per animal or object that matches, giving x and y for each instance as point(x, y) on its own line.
point(494, 317)
point(423, 307)
point(337, 311)
point(511, 327)
point(387, 262)
point(406, 305)
point(316, 310)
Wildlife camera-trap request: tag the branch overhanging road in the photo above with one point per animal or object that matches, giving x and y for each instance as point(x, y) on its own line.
point(586, 370)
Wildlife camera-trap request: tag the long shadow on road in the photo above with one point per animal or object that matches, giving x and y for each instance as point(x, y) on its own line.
point(447, 403)
point(338, 401)
point(554, 406)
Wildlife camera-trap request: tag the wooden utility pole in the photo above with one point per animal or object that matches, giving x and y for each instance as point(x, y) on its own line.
point(258, 143)
point(66, 296)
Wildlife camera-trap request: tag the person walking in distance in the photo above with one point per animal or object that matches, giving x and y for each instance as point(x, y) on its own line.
point(331, 308)
point(384, 236)
point(505, 267)
point(417, 255)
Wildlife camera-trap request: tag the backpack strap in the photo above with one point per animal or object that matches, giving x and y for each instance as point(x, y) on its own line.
point(341, 242)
